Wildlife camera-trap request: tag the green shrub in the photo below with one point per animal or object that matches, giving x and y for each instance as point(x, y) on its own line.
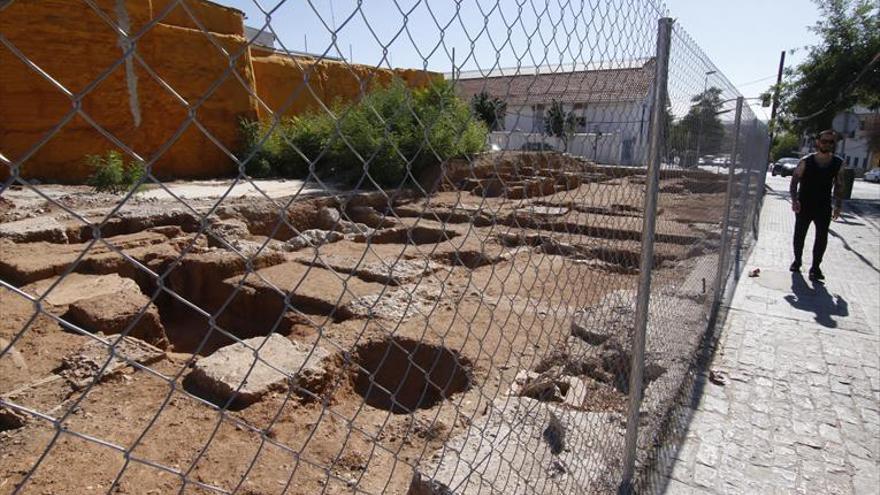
point(391, 129)
point(111, 174)
point(260, 164)
point(284, 150)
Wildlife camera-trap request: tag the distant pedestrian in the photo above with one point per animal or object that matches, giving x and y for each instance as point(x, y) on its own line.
point(811, 190)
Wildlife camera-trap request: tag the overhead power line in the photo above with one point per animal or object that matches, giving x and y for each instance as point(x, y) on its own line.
point(755, 81)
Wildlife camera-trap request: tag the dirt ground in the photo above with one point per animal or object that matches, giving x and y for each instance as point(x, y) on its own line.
point(451, 295)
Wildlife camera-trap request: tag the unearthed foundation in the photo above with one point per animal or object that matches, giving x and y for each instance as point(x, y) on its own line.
point(472, 341)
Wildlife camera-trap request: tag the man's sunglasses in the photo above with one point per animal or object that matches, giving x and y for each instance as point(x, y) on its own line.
point(826, 141)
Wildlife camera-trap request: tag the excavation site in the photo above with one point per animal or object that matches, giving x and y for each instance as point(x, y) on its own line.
point(425, 340)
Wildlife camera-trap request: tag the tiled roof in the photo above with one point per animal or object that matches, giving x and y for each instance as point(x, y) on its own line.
point(586, 86)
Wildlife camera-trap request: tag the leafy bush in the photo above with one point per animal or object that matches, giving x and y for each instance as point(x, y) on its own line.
point(490, 109)
point(390, 132)
point(559, 123)
point(111, 174)
point(284, 150)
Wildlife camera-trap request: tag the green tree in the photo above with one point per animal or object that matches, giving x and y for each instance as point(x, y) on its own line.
point(491, 110)
point(559, 123)
point(701, 129)
point(784, 144)
point(837, 73)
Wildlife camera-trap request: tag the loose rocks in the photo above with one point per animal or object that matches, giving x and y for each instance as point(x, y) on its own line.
point(312, 238)
point(85, 365)
point(522, 443)
point(330, 219)
point(550, 386)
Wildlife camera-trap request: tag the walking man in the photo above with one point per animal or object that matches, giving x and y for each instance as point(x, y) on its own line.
point(810, 189)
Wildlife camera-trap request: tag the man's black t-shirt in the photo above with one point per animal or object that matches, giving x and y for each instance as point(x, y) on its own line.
point(817, 181)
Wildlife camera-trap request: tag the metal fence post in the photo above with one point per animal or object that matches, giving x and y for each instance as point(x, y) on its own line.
point(720, 276)
point(664, 35)
point(750, 197)
point(762, 183)
point(745, 213)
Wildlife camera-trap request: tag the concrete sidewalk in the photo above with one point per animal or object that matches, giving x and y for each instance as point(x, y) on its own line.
point(799, 410)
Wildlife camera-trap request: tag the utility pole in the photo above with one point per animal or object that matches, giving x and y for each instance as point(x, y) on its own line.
point(776, 99)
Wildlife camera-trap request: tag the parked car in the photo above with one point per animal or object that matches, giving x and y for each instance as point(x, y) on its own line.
point(872, 175)
point(785, 166)
point(537, 147)
point(706, 160)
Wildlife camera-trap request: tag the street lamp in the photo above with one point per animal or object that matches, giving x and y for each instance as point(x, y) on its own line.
point(702, 112)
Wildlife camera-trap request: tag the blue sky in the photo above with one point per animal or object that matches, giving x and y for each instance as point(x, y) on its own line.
point(743, 38)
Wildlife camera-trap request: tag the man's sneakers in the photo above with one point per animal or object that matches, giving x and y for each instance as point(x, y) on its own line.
point(815, 272)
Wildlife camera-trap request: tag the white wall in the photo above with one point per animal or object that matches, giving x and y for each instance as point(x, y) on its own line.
point(853, 147)
point(627, 121)
point(629, 118)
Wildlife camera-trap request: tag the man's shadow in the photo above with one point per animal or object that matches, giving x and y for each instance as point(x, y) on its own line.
point(817, 300)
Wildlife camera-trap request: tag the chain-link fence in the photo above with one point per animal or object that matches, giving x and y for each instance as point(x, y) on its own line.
point(714, 155)
point(495, 270)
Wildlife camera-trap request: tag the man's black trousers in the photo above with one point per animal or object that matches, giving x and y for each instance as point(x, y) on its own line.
point(821, 217)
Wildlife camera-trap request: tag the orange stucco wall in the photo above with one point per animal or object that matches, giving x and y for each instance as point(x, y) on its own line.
point(291, 85)
point(146, 103)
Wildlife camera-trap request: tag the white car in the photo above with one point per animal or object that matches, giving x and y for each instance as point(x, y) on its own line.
point(872, 175)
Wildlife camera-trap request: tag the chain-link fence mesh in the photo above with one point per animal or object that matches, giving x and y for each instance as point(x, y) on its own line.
point(418, 280)
point(715, 160)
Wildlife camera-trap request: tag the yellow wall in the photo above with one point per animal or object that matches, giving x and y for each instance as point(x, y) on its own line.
point(70, 42)
point(291, 85)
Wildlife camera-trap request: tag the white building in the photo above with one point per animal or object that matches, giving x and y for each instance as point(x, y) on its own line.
point(264, 38)
point(853, 146)
point(611, 106)
point(853, 126)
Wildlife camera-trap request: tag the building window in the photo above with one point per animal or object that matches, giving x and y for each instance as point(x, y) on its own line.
point(580, 117)
point(847, 160)
point(537, 118)
point(855, 161)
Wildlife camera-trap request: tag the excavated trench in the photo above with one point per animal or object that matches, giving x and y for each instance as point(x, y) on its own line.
point(396, 375)
point(625, 259)
point(401, 375)
point(208, 279)
point(417, 235)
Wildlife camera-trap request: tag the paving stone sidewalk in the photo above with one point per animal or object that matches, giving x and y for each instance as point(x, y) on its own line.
point(799, 410)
